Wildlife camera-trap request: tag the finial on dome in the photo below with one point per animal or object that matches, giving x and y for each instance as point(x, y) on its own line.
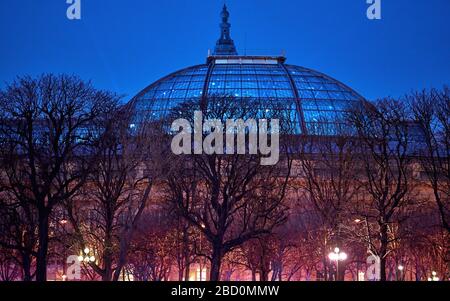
point(225, 45)
point(225, 14)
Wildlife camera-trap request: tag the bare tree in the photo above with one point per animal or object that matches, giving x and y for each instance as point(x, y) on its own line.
point(129, 160)
point(188, 246)
point(328, 180)
point(9, 270)
point(151, 250)
point(231, 199)
point(18, 239)
point(431, 111)
point(385, 155)
point(47, 133)
point(256, 255)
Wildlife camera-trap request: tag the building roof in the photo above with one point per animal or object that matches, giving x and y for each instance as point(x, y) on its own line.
point(313, 99)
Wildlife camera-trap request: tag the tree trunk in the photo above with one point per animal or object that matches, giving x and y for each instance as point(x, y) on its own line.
point(107, 252)
point(180, 272)
point(187, 270)
point(253, 275)
point(124, 243)
point(325, 269)
point(117, 272)
point(107, 266)
point(264, 275)
point(216, 262)
point(264, 269)
point(186, 254)
point(383, 251)
point(280, 272)
point(41, 258)
point(26, 267)
point(383, 269)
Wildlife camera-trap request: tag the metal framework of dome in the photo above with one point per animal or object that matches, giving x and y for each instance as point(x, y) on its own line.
point(313, 99)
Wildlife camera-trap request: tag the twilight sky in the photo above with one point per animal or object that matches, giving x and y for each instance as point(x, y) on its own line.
point(125, 45)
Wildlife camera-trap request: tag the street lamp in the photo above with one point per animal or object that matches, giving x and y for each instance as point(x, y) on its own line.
point(201, 275)
point(337, 256)
point(63, 222)
point(435, 277)
point(86, 258)
point(400, 270)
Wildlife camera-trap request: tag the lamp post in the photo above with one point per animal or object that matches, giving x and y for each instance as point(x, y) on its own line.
point(84, 256)
point(337, 256)
point(434, 278)
point(202, 262)
point(400, 270)
point(63, 222)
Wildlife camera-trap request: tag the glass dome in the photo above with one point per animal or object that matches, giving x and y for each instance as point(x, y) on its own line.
point(316, 100)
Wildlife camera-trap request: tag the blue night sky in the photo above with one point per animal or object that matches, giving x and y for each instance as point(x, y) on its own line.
point(125, 45)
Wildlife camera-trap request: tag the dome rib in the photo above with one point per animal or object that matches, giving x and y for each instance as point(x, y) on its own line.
point(207, 80)
point(297, 98)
